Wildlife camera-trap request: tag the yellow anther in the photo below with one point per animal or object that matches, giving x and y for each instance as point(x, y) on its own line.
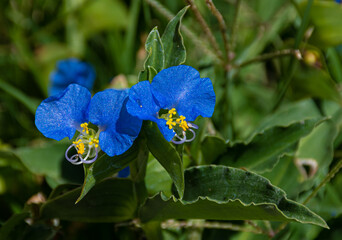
point(170, 123)
point(184, 125)
point(77, 142)
point(85, 128)
point(80, 148)
point(172, 112)
point(180, 119)
point(95, 142)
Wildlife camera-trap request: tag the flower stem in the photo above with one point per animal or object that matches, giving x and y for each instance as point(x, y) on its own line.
point(327, 179)
point(222, 25)
point(281, 53)
point(210, 225)
point(206, 29)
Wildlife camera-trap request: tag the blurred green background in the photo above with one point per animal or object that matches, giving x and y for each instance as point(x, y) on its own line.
point(282, 59)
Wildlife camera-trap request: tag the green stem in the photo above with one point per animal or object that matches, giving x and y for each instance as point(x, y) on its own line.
point(327, 179)
point(210, 225)
point(281, 53)
point(235, 25)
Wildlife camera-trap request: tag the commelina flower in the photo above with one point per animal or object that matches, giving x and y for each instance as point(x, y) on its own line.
point(71, 71)
point(73, 110)
point(176, 96)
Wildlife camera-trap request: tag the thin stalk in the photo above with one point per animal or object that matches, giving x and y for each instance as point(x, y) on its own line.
point(222, 25)
point(206, 29)
point(280, 53)
point(256, 227)
point(234, 26)
point(327, 179)
point(210, 225)
point(294, 64)
point(196, 40)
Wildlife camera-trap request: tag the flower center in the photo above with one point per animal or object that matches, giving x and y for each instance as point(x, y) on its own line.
point(86, 145)
point(180, 126)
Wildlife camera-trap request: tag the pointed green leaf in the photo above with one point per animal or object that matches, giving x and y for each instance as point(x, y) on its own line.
point(175, 53)
point(109, 201)
point(166, 155)
point(224, 193)
point(264, 149)
point(107, 166)
point(155, 59)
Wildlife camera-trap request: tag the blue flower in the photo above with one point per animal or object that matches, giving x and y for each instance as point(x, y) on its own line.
point(71, 71)
point(176, 96)
point(338, 1)
point(62, 115)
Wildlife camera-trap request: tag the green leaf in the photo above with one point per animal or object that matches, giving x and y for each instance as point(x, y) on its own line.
point(166, 155)
point(48, 160)
point(155, 59)
point(107, 166)
point(174, 49)
point(157, 179)
point(224, 193)
point(264, 149)
point(290, 113)
point(109, 201)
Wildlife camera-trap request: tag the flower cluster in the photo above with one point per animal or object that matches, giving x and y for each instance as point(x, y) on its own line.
point(111, 120)
point(62, 115)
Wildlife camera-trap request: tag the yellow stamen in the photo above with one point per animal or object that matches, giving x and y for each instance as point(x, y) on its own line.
point(172, 112)
point(170, 123)
point(180, 119)
point(95, 142)
point(184, 125)
point(79, 146)
point(85, 128)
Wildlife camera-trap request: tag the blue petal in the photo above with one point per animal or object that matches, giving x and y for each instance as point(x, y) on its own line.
point(141, 102)
point(164, 129)
point(182, 88)
point(71, 71)
point(105, 111)
point(128, 124)
point(124, 173)
point(59, 116)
